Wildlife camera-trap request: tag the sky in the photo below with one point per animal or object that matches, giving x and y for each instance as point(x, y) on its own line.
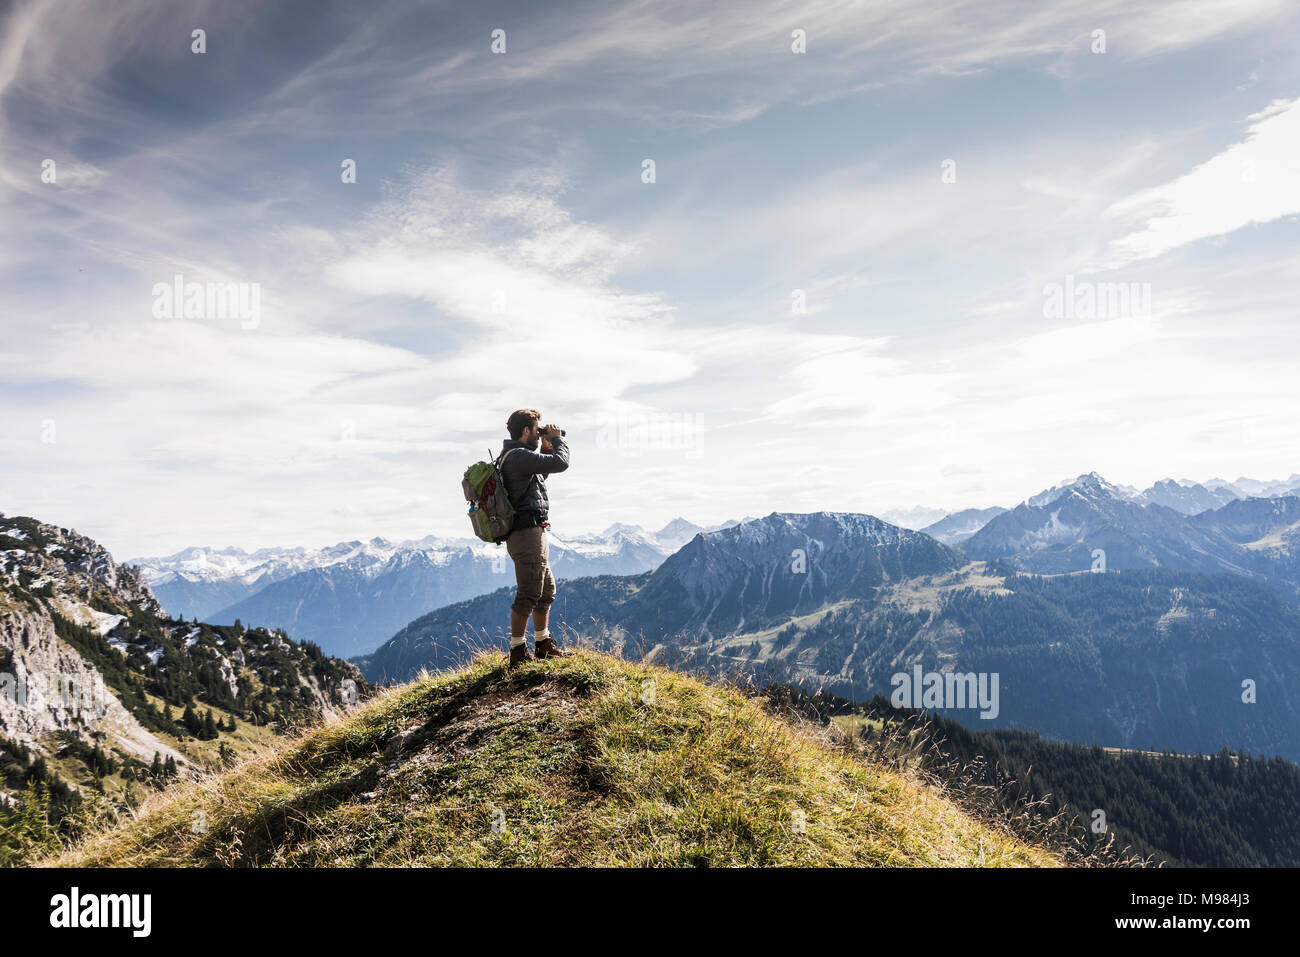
point(753, 257)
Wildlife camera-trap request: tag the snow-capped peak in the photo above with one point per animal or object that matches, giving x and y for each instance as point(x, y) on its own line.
point(620, 528)
point(1089, 482)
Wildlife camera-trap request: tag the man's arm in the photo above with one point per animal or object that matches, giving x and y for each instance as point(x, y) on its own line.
point(541, 463)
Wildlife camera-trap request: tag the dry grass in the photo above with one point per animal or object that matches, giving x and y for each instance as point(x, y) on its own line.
point(589, 760)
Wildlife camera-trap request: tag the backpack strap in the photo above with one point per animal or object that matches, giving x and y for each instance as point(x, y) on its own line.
point(500, 465)
point(502, 460)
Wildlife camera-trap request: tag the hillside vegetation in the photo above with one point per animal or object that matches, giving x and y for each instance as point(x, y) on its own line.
point(589, 760)
point(1230, 809)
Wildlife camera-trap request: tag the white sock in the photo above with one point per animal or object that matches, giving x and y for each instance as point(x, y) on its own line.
point(542, 635)
point(516, 642)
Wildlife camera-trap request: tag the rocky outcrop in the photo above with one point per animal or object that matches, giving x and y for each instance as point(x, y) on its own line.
point(46, 687)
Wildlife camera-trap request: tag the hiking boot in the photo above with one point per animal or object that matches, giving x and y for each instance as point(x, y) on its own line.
point(547, 648)
point(518, 655)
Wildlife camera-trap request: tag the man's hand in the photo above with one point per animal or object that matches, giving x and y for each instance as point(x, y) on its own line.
point(550, 431)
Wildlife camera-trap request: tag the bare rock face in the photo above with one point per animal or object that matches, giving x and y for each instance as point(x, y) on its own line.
point(46, 686)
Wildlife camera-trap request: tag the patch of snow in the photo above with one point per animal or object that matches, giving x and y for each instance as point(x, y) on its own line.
point(104, 622)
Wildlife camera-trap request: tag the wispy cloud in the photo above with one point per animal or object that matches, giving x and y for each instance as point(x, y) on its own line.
point(500, 249)
point(1254, 181)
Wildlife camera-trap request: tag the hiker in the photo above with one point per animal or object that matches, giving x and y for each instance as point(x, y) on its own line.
point(525, 474)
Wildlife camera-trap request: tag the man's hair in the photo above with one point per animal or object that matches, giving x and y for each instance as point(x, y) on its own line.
point(521, 419)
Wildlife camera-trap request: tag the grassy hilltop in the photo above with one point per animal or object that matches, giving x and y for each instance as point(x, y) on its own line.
point(587, 761)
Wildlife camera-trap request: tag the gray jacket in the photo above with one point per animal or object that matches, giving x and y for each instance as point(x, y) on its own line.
point(525, 474)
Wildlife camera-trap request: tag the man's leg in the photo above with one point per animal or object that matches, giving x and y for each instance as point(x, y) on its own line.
point(519, 626)
point(528, 590)
point(542, 610)
point(546, 646)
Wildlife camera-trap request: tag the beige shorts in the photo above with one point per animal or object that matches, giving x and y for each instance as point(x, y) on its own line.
point(536, 584)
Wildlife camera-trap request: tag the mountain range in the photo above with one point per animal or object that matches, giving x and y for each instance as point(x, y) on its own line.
point(1154, 653)
point(1183, 495)
point(1090, 523)
point(349, 597)
point(836, 599)
point(1106, 615)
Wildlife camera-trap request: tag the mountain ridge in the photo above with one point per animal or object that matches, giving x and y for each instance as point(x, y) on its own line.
point(350, 597)
point(756, 571)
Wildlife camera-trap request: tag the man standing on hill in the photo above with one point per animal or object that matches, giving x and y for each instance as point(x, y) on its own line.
point(524, 470)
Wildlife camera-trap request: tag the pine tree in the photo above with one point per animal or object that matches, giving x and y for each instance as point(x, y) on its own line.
point(191, 720)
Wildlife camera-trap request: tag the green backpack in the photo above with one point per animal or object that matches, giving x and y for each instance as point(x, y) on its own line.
point(490, 511)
